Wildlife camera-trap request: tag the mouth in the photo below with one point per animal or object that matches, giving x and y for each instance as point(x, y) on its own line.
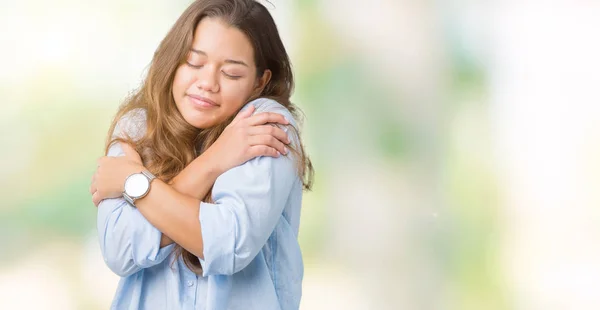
point(202, 102)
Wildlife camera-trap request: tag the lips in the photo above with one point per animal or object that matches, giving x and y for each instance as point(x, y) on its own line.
point(202, 101)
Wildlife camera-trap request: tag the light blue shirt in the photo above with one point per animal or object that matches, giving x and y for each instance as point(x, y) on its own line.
point(252, 258)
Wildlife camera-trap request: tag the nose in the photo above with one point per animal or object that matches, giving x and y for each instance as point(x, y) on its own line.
point(208, 79)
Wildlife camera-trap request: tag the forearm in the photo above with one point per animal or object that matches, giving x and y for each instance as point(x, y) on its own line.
point(175, 214)
point(197, 178)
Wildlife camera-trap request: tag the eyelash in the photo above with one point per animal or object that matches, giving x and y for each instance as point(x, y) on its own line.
point(193, 66)
point(233, 77)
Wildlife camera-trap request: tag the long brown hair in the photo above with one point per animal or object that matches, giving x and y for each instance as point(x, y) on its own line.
point(170, 143)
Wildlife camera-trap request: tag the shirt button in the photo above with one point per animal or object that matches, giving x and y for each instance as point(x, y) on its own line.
point(190, 283)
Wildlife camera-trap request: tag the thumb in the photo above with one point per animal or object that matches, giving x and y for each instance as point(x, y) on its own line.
point(244, 114)
point(130, 152)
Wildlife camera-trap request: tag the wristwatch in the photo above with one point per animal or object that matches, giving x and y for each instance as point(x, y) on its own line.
point(137, 186)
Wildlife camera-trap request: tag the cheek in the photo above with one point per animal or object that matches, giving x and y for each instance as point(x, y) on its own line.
point(181, 82)
point(236, 94)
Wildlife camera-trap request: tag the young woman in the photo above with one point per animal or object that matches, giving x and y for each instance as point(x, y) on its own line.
point(199, 203)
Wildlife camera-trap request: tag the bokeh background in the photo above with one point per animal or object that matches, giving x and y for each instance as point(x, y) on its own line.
point(456, 144)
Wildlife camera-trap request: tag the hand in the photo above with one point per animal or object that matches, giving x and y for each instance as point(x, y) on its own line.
point(249, 136)
point(109, 179)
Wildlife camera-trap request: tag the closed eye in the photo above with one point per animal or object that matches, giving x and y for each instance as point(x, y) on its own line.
point(193, 66)
point(233, 77)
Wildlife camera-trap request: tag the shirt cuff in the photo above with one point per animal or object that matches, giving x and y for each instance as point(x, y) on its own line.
point(148, 235)
point(218, 224)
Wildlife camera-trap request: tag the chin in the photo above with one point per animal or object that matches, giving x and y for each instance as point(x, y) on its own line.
point(200, 123)
point(197, 119)
point(198, 126)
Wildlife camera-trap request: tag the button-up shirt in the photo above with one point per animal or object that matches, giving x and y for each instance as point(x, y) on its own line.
point(252, 258)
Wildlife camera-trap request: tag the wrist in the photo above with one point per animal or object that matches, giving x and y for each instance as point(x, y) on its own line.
point(200, 171)
point(210, 164)
point(211, 167)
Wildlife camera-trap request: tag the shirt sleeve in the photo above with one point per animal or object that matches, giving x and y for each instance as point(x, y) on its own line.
point(128, 241)
point(248, 202)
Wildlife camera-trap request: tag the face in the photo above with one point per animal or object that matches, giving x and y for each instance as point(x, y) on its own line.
point(219, 75)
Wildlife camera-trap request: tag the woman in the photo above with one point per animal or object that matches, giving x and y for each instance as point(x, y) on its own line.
point(217, 228)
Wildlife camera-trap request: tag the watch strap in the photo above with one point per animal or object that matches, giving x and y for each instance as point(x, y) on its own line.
point(128, 199)
point(148, 175)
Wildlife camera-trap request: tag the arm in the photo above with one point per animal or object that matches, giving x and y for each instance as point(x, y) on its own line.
point(195, 181)
point(228, 234)
point(240, 139)
point(127, 240)
point(199, 176)
point(249, 202)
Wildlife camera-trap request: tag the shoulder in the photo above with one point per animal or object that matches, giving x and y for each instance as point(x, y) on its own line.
point(131, 125)
point(270, 105)
point(261, 170)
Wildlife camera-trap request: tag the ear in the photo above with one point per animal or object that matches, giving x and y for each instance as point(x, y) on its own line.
point(261, 83)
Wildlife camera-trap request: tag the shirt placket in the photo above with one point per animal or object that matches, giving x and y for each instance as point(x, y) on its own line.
point(191, 284)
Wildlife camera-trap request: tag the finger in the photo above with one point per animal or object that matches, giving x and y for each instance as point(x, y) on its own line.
point(99, 161)
point(267, 117)
point(96, 198)
point(269, 141)
point(244, 114)
point(130, 152)
point(274, 131)
point(263, 150)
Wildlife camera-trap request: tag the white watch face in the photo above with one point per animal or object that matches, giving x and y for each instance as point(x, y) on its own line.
point(136, 185)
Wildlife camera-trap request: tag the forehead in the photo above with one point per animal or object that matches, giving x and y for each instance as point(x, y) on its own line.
point(221, 41)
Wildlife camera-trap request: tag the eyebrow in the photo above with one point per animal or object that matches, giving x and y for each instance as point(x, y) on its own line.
point(230, 61)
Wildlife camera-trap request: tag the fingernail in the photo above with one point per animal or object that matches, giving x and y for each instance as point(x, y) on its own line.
point(285, 150)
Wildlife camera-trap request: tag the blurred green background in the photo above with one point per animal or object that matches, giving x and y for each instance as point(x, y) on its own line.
point(456, 146)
